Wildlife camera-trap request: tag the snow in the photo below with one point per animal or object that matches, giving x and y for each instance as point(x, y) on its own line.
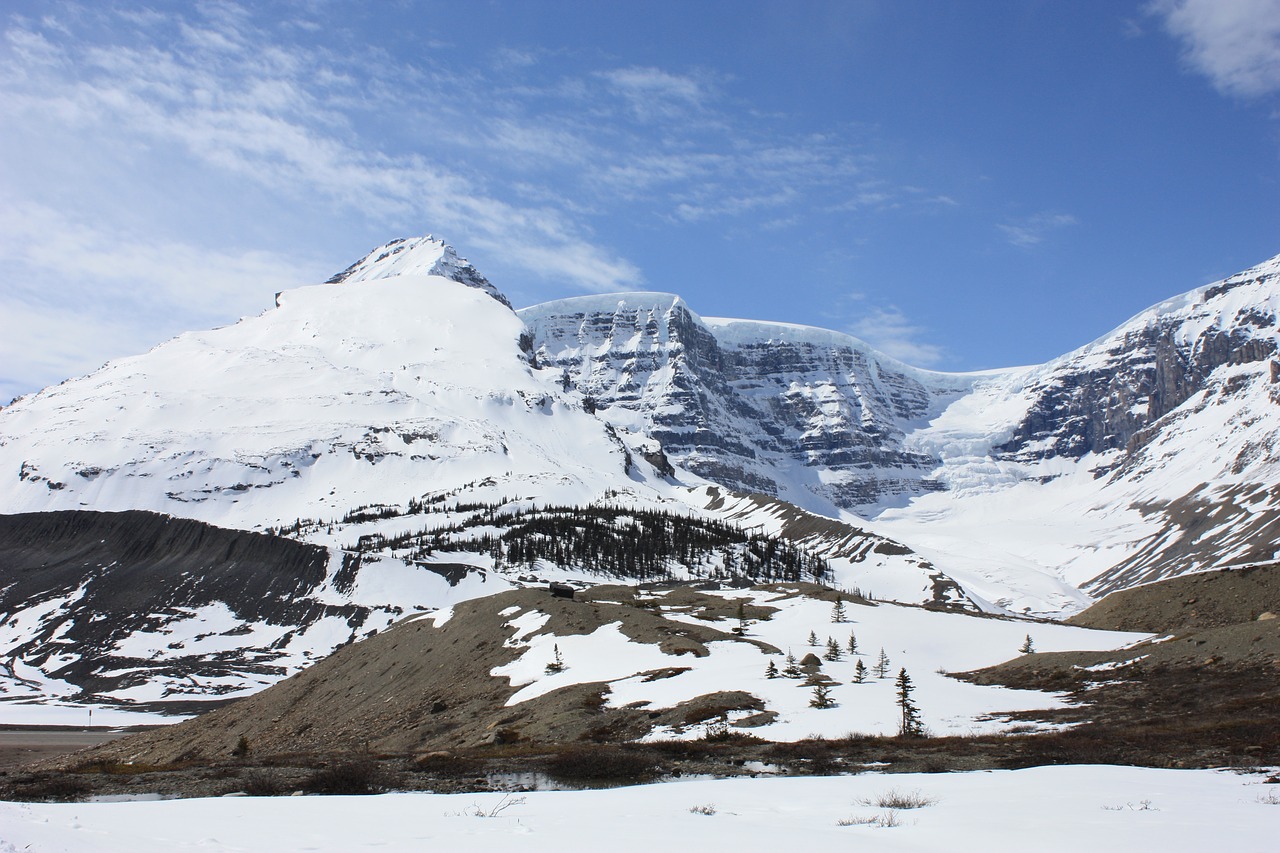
point(926, 643)
point(1046, 809)
point(405, 381)
point(46, 712)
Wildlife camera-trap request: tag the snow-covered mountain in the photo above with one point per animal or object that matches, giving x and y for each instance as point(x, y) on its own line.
point(398, 407)
point(1150, 452)
point(396, 419)
point(814, 417)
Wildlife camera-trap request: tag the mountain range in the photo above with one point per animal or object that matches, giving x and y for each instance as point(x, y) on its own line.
point(407, 425)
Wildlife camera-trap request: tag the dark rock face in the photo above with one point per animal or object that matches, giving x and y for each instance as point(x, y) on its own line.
point(106, 577)
point(752, 412)
point(1140, 376)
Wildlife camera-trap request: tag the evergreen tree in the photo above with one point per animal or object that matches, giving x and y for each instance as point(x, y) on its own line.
point(556, 665)
point(792, 669)
point(1027, 648)
point(771, 671)
point(813, 638)
point(881, 668)
point(837, 612)
point(833, 650)
point(860, 672)
point(853, 644)
point(910, 725)
point(821, 697)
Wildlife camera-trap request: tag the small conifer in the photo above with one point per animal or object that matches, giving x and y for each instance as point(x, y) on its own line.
point(821, 697)
point(882, 665)
point(910, 725)
point(860, 672)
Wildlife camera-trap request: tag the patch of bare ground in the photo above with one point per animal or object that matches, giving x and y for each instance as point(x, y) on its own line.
point(1202, 600)
point(415, 709)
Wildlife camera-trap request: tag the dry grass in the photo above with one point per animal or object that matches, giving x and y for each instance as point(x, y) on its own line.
point(896, 799)
point(885, 819)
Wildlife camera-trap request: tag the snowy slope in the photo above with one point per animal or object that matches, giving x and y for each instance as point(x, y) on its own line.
point(925, 643)
point(1148, 453)
point(381, 387)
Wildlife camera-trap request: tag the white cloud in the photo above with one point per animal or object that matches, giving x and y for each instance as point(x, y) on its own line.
point(886, 328)
point(1034, 229)
point(891, 332)
point(255, 111)
point(654, 93)
point(78, 294)
point(149, 141)
point(1235, 43)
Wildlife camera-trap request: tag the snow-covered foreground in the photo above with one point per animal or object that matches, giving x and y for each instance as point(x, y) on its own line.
point(1097, 808)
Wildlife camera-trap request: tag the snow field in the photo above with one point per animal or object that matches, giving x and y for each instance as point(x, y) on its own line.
point(926, 643)
point(1045, 809)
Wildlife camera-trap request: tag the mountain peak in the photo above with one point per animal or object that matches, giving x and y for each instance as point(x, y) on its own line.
point(417, 256)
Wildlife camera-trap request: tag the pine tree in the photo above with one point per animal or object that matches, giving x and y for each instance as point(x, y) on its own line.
point(853, 644)
point(833, 650)
point(860, 672)
point(556, 665)
point(821, 697)
point(813, 638)
point(742, 619)
point(910, 726)
point(792, 669)
point(837, 612)
point(771, 671)
point(1027, 648)
point(881, 668)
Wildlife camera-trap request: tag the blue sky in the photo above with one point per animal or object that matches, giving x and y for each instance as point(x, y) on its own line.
point(965, 185)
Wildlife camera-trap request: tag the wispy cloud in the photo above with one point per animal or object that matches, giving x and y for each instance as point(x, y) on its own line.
point(1235, 43)
point(893, 333)
point(653, 93)
point(147, 139)
point(78, 293)
point(1034, 229)
point(885, 327)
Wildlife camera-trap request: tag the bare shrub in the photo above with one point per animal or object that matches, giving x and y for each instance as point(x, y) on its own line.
point(885, 819)
point(355, 776)
point(55, 787)
point(498, 808)
point(895, 799)
point(262, 783)
point(601, 764)
point(708, 809)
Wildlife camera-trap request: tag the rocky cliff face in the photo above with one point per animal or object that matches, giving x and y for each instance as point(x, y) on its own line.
point(814, 417)
point(1103, 397)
